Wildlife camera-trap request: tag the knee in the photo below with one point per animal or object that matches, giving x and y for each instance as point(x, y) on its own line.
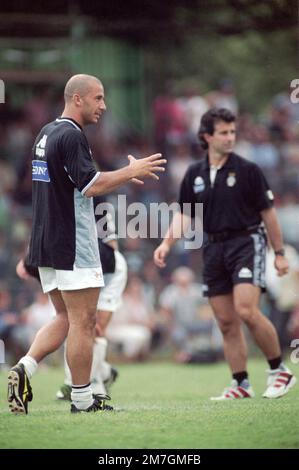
point(89, 323)
point(228, 326)
point(86, 322)
point(246, 312)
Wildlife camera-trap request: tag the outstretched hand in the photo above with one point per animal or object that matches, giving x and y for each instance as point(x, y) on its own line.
point(146, 167)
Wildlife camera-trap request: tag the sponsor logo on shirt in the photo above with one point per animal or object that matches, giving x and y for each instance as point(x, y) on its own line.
point(198, 185)
point(40, 146)
point(245, 273)
point(40, 171)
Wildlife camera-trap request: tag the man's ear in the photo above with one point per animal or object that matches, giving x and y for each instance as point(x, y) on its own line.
point(77, 99)
point(207, 137)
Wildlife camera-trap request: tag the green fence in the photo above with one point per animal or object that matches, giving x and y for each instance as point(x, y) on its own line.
point(120, 65)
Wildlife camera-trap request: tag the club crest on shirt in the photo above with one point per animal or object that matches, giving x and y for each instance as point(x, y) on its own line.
point(198, 184)
point(231, 179)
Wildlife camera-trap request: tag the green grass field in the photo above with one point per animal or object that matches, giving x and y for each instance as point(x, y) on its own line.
point(162, 405)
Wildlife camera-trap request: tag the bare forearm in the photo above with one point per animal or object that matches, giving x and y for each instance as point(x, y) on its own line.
point(108, 181)
point(271, 222)
point(177, 229)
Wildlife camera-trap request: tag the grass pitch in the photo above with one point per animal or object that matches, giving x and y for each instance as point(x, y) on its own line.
point(162, 405)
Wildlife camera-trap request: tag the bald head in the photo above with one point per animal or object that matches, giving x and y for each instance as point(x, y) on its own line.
point(79, 84)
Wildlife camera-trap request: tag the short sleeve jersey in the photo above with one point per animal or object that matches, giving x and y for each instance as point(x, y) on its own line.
point(234, 201)
point(63, 223)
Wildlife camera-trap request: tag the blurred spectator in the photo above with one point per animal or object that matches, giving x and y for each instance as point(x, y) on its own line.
point(37, 109)
point(194, 106)
point(132, 325)
point(180, 159)
point(284, 293)
point(8, 321)
point(193, 329)
point(223, 97)
point(263, 151)
point(288, 214)
point(32, 319)
point(169, 119)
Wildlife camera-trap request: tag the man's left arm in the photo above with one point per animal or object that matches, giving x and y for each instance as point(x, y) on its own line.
point(271, 222)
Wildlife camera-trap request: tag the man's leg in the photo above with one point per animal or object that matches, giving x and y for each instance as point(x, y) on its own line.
point(101, 370)
point(51, 336)
point(234, 344)
point(246, 301)
point(81, 306)
point(235, 348)
point(109, 302)
point(47, 340)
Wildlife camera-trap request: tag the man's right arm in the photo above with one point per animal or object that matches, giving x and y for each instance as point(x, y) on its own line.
point(179, 223)
point(78, 164)
point(175, 232)
point(135, 171)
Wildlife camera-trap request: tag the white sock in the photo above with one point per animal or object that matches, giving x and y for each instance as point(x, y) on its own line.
point(67, 370)
point(99, 353)
point(103, 368)
point(30, 365)
point(81, 396)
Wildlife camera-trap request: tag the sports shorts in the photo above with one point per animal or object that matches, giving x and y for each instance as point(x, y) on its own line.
point(78, 278)
point(115, 283)
point(235, 261)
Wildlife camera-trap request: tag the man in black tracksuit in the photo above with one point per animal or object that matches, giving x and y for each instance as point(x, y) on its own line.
point(237, 204)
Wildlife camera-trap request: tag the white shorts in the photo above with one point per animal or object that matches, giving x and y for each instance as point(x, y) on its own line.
point(115, 283)
point(79, 278)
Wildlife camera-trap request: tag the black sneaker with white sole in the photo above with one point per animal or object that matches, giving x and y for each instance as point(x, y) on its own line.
point(103, 399)
point(19, 391)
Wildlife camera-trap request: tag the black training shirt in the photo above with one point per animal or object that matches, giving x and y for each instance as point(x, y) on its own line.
point(63, 225)
point(234, 202)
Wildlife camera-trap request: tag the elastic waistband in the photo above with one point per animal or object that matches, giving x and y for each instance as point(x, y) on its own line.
point(229, 234)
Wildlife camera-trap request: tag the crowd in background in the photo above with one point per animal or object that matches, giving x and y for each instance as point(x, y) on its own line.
point(160, 309)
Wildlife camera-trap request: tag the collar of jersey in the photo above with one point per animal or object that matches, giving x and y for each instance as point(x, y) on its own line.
point(228, 164)
point(71, 121)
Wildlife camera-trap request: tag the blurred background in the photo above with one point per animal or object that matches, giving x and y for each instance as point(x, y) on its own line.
point(163, 64)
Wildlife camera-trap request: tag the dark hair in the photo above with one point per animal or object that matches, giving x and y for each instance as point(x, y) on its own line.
point(208, 121)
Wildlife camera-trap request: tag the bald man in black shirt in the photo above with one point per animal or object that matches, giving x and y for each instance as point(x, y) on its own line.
point(63, 242)
point(237, 204)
